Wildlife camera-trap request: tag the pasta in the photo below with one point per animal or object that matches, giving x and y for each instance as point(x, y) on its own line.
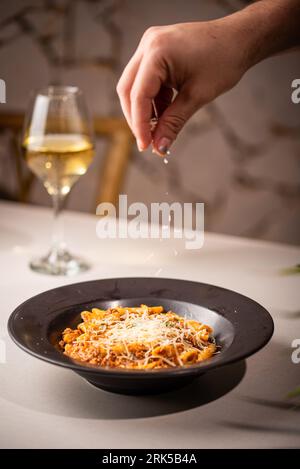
point(142, 338)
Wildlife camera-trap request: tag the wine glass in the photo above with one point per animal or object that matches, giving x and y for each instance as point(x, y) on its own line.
point(58, 147)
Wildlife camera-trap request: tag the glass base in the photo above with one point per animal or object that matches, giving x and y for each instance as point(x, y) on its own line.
point(59, 263)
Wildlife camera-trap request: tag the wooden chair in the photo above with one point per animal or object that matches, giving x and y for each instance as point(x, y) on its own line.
point(117, 157)
point(113, 169)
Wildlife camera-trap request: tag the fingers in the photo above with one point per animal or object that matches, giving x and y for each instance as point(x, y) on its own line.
point(173, 119)
point(141, 82)
point(125, 85)
point(144, 80)
point(163, 99)
point(146, 86)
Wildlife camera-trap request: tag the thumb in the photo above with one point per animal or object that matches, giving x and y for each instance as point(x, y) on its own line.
point(172, 120)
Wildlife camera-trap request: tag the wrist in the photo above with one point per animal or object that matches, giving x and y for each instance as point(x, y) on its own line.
point(265, 28)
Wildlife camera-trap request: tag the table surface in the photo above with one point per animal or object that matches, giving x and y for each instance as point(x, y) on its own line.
point(44, 406)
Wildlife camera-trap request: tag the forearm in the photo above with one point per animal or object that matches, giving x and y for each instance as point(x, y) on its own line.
point(267, 27)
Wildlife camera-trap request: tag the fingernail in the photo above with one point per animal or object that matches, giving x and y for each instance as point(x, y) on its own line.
point(164, 145)
point(140, 146)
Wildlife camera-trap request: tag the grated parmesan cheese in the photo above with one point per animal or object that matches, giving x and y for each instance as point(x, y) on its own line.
point(135, 337)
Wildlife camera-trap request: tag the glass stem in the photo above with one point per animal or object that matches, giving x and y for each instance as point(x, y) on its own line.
point(58, 243)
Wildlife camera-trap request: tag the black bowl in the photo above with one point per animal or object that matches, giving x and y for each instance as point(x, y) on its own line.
point(241, 326)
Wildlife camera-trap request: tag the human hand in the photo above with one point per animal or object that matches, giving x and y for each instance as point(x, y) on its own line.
point(199, 60)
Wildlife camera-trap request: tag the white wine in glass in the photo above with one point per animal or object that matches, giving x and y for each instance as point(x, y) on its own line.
point(58, 147)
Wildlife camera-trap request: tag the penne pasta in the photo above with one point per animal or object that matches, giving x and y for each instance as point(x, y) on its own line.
point(144, 337)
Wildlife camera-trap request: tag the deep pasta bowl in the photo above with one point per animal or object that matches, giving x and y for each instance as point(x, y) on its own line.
point(241, 326)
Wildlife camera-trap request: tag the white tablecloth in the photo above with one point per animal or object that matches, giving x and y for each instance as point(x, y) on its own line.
point(43, 406)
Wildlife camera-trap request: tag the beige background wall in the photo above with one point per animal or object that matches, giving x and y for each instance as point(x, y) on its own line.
point(240, 155)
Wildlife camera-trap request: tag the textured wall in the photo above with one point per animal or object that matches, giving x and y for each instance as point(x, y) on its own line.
point(240, 155)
